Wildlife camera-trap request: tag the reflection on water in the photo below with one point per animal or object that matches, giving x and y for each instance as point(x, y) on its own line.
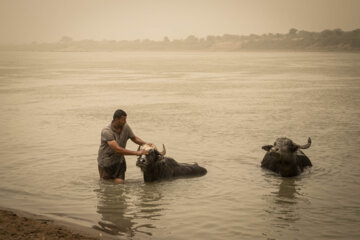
point(287, 191)
point(128, 209)
point(285, 202)
point(112, 205)
point(284, 206)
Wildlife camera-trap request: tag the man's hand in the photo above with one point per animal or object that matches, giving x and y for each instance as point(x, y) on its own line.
point(142, 152)
point(151, 145)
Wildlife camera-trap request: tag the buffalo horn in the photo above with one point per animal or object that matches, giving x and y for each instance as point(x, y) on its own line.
point(306, 145)
point(163, 151)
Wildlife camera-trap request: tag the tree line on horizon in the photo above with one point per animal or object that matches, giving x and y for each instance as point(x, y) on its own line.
point(327, 40)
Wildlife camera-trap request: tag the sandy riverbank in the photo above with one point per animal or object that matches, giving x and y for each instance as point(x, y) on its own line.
point(18, 225)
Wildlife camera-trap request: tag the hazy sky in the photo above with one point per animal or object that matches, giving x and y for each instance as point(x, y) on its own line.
point(49, 20)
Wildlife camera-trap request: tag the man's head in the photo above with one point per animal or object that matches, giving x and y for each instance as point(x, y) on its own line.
point(119, 118)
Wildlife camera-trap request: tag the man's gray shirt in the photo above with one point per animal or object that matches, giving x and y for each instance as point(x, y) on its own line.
point(107, 156)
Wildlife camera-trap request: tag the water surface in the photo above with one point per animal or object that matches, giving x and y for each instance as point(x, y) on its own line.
point(216, 109)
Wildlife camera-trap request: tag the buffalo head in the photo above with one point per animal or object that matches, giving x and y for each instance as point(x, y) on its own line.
point(146, 161)
point(285, 157)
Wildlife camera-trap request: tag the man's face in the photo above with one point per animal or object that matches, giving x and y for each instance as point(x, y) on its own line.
point(120, 122)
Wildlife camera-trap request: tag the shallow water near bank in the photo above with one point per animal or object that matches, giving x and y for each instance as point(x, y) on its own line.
point(216, 109)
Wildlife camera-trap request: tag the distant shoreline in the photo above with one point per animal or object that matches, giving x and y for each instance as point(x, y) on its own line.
point(356, 51)
point(335, 40)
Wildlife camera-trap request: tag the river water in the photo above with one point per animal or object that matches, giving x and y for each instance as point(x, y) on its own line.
point(216, 109)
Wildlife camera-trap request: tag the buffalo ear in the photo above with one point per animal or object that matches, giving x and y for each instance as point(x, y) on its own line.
point(267, 147)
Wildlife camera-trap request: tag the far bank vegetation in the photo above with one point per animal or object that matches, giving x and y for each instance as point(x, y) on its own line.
point(327, 40)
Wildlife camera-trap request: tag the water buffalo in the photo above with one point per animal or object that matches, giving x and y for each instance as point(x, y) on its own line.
point(285, 157)
point(155, 166)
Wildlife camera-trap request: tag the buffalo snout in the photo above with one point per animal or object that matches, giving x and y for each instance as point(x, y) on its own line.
point(141, 161)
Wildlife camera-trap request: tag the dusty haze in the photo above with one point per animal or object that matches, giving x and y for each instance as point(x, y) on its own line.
point(23, 21)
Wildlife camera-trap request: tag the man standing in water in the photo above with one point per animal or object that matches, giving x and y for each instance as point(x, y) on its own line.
point(111, 160)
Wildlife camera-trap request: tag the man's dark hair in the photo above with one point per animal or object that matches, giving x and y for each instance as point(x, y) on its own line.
point(119, 113)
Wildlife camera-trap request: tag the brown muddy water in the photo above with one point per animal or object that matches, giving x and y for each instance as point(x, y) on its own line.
point(216, 109)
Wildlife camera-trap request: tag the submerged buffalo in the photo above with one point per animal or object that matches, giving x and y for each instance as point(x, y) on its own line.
point(285, 157)
point(155, 166)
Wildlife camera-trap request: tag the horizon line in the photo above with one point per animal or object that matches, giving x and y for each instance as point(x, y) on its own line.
point(69, 38)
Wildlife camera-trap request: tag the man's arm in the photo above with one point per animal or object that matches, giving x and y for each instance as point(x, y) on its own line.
point(139, 141)
point(115, 146)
